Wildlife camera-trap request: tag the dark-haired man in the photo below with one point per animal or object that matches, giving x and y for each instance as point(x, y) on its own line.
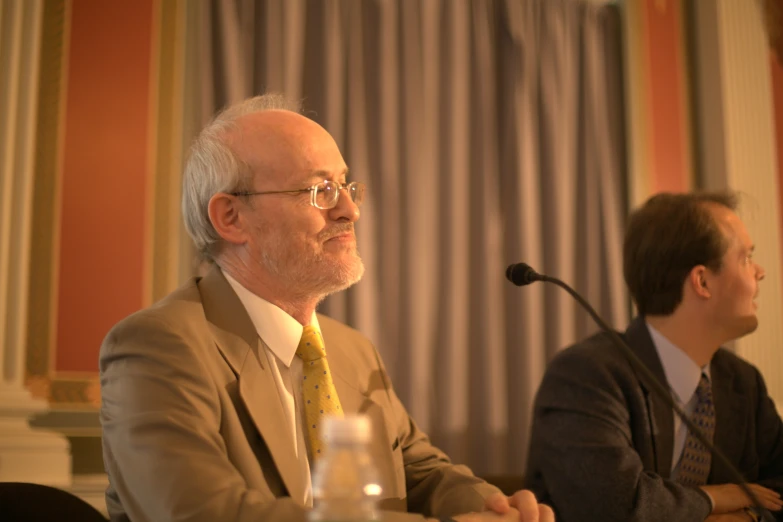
point(603, 446)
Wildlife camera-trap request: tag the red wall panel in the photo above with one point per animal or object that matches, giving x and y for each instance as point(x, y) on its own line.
point(104, 175)
point(667, 97)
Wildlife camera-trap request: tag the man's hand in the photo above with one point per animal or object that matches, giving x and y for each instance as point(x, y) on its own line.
point(728, 498)
point(734, 516)
point(512, 515)
point(523, 504)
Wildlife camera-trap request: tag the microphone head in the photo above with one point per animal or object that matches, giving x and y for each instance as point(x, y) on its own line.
point(522, 274)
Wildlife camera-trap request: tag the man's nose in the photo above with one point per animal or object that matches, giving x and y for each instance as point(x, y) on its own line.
point(345, 209)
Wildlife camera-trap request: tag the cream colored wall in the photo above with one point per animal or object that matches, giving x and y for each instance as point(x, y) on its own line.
point(738, 151)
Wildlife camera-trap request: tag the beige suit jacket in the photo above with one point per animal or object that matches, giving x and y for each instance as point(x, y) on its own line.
point(193, 428)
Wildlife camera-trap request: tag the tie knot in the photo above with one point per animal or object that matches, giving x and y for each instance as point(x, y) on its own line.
point(704, 389)
point(311, 346)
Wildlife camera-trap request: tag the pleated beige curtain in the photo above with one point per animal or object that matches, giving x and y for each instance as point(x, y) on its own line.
point(489, 132)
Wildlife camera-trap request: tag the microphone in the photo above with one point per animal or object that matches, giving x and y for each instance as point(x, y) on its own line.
point(522, 274)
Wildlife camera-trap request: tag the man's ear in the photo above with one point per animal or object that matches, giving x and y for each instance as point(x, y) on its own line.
point(225, 217)
point(699, 282)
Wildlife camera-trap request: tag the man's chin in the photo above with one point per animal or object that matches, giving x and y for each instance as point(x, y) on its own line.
point(347, 263)
point(747, 325)
point(353, 273)
point(753, 323)
point(345, 275)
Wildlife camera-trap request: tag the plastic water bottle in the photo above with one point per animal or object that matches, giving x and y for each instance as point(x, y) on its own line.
point(345, 480)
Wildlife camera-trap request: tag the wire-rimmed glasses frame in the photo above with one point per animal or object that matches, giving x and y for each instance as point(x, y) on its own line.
point(324, 194)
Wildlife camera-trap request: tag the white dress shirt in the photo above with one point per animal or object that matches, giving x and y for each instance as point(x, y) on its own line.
point(281, 334)
point(683, 376)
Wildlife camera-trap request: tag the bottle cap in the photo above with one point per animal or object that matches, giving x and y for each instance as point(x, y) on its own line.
point(352, 428)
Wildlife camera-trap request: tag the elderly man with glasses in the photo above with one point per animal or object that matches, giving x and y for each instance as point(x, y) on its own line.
point(207, 410)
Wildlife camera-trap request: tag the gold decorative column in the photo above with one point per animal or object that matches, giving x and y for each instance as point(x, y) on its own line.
point(26, 454)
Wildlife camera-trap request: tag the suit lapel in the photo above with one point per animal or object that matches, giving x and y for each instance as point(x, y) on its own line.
point(238, 341)
point(361, 387)
point(661, 416)
point(353, 397)
point(728, 411)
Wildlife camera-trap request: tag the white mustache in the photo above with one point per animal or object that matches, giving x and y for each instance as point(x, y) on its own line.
point(335, 231)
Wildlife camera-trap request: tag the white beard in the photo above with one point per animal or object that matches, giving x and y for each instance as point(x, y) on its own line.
point(306, 273)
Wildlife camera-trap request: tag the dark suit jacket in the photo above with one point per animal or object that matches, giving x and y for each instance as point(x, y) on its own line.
point(193, 422)
point(601, 445)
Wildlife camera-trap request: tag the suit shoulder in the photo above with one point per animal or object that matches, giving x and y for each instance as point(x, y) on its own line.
point(594, 362)
point(594, 351)
point(727, 358)
point(175, 313)
point(333, 327)
point(355, 345)
point(727, 362)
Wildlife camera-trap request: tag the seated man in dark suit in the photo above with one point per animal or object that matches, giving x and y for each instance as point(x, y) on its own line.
point(211, 398)
point(603, 446)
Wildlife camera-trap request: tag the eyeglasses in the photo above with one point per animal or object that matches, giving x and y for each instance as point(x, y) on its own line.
point(323, 195)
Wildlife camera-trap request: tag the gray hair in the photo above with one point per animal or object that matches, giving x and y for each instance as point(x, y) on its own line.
point(212, 167)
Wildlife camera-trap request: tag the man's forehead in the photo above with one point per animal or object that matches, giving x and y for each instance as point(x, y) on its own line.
point(273, 127)
point(287, 147)
point(273, 136)
point(275, 119)
point(732, 226)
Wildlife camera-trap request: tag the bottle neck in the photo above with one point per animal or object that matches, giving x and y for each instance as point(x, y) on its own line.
point(347, 444)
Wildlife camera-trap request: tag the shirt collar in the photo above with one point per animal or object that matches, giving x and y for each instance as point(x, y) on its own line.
point(279, 331)
point(681, 372)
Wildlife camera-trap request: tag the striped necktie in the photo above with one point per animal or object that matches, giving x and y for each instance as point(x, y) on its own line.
point(696, 458)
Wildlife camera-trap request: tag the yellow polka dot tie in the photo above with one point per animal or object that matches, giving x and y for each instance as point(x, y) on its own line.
point(320, 397)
